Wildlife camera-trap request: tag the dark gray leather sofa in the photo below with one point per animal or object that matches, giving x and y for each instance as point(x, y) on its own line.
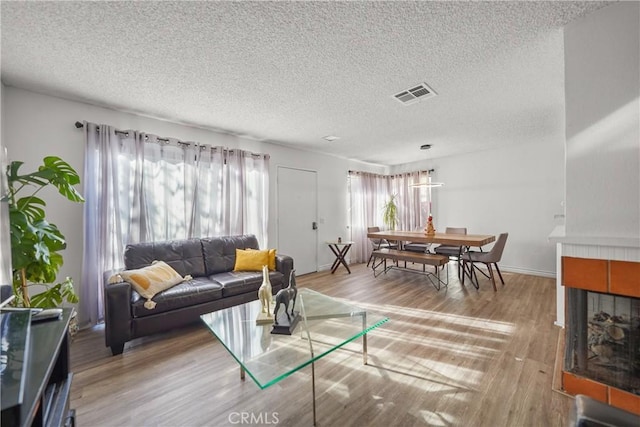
point(214, 286)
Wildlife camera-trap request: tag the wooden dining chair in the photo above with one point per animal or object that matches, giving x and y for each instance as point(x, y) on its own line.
point(489, 259)
point(454, 252)
point(379, 243)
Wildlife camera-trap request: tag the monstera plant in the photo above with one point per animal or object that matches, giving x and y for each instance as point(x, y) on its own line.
point(35, 242)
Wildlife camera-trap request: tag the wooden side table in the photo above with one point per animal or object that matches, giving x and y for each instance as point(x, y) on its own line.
point(339, 249)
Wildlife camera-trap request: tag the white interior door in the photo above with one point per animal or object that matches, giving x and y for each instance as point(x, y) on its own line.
point(297, 218)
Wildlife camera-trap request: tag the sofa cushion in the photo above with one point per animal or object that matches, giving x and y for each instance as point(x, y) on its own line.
point(241, 282)
point(185, 256)
point(199, 290)
point(220, 252)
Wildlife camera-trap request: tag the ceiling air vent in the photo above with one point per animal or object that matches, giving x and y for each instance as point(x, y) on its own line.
point(415, 94)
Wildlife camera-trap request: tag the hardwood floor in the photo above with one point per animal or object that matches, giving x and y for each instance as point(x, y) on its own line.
point(454, 357)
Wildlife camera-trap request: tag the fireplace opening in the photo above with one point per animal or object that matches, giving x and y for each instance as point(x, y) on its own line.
point(603, 338)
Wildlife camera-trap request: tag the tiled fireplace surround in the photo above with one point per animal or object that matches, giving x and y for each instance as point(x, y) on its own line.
point(596, 280)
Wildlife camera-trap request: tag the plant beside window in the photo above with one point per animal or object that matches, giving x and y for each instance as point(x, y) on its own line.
point(36, 243)
point(390, 213)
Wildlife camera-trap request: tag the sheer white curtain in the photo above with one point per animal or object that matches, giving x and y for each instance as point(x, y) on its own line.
point(369, 192)
point(140, 187)
point(412, 201)
point(103, 231)
point(245, 195)
point(255, 195)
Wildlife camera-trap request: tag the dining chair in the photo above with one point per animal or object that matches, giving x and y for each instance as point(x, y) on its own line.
point(379, 243)
point(454, 252)
point(491, 258)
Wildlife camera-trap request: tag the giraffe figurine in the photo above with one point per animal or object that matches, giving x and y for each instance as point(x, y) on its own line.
point(265, 292)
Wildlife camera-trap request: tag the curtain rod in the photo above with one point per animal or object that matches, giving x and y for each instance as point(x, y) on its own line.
point(80, 125)
point(427, 171)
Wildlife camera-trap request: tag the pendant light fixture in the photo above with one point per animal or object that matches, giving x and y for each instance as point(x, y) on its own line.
point(427, 183)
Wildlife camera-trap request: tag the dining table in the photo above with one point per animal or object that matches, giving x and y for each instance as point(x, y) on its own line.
point(469, 240)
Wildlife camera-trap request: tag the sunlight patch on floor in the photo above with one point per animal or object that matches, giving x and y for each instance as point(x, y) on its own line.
point(436, 419)
point(488, 324)
point(469, 331)
point(451, 372)
point(472, 348)
point(338, 390)
point(382, 404)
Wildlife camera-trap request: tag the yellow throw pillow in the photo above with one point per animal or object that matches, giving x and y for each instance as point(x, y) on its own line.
point(271, 257)
point(148, 281)
point(250, 260)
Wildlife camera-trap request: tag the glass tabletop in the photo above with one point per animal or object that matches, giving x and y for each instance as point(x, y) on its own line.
point(327, 324)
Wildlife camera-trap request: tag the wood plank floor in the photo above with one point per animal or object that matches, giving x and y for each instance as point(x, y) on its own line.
point(454, 357)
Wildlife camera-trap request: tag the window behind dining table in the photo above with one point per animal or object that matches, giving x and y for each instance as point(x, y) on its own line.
point(368, 192)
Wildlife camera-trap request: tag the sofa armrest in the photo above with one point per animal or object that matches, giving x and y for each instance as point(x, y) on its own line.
point(117, 314)
point(284, 264)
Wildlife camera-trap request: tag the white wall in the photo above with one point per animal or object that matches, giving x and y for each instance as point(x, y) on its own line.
point(516, 189)
point(602, 69)
point(602, 95)
point(36, 125)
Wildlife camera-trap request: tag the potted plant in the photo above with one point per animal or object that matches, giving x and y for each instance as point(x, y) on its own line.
point(390, 213)
point(36, 243)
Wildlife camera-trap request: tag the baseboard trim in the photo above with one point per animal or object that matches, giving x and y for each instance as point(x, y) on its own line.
point(533, 272)
point(324, 267)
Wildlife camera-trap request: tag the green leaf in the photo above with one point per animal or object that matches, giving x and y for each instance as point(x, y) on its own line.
point(49, 232)
point(48, 299)
point(62, 176)
point(12, 170)
point(55, 295)
point(21, 255)
point(68, 292)
point(31, 207)
point(41, 252)
point(18, 220)
point(13, 177)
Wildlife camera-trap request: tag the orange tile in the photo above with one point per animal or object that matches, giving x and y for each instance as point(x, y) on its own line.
point(573, 384)
point(625, 278)
point(583, 273)
point(624, 400)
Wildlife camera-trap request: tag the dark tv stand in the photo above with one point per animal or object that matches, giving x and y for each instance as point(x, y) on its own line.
point(47, 379)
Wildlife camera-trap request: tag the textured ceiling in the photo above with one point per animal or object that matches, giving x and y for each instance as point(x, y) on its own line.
point(294, 72)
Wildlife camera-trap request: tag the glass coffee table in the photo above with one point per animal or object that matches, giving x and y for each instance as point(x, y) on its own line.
point(327, 324)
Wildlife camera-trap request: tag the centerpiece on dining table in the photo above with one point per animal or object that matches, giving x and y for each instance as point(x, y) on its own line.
point(430, 230)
